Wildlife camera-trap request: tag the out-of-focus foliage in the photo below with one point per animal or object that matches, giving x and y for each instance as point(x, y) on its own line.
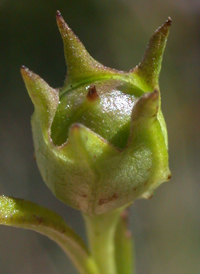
point(166, 228)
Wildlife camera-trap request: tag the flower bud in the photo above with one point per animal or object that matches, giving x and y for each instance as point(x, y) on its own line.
point(101, 141)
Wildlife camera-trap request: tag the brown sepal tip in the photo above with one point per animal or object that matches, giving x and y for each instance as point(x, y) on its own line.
point(25, 71)
point(168, 21)
point(62, 25)
point(60, 20)
point(58, 14)
point(92, 93)
point(23, 68)
point(169, 177)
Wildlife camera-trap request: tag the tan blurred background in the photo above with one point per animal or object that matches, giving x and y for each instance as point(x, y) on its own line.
point(167, 227)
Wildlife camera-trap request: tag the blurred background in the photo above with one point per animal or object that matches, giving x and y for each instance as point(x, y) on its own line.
point(115, 32)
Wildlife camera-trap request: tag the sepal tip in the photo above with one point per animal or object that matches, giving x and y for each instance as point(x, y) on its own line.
point(58, 13)
point(44, 97)
point(92, 94)
point(149, 68)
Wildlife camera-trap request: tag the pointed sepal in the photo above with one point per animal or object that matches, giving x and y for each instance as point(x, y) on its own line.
point(145, 128)
point(142, 165)
point(92, 95)
point(144, 112)
point(80, 65)
point(85, 145)
point(149, 68)
point(85, 152)
point(44, 98)
point(146, 133)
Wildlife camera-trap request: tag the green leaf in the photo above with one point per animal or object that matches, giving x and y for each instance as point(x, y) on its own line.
point(28, 215)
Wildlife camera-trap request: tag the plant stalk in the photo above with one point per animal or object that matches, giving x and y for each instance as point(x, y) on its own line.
point(101, 238)
point(124, 251)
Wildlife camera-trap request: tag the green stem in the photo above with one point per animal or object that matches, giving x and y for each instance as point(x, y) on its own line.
point(25, 214)
point(124, 251)
point(101, 234)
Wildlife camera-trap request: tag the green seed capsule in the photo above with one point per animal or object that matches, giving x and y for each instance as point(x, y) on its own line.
point(101, 140)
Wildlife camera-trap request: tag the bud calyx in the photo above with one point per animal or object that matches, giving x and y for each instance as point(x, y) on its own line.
point(101, 140)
